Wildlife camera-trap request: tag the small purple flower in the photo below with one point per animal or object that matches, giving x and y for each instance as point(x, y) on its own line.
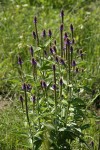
point(51, 50)
point(33, 98)
point(61, 27)
point(56, 58)
point(54, 48)
point(62, 61)
point(65, 36)
point(61, 82)
point(71, 28)
point(44, 85)
point(34, 35)
point(21, 98)
point(50, 33)
point(68, 42)
point(44, 33)
point(71, 49)
point(35, 19)
point(54, 86)
point(20, 61)
point(29, 87)
point(73, 63)
point(34, 63)
point(54, 67)
point(62, 13)
point(24, 86)
point(31, 51)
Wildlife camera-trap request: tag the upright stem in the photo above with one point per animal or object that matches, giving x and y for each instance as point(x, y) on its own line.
point(61, 42)
point(37, 34)
point(27, 115)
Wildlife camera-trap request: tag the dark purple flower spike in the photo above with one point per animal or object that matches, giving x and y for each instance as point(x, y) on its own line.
point(73, 63)
point(35, 19)
point(61, 27)
point(71, 28)
point(29, 87)
point(61, 82)
point(71, 50)
point(34, 35)
point(49, 33)
point(36, 31)
point(56, 59)
point(34, 63)
point(31, 51)
point(62, 62)
point(20, 61)
point(62, 16)
point(21, 99)
point(33, 98)
point(44, 33)
point(54, 86)
point(24, 87)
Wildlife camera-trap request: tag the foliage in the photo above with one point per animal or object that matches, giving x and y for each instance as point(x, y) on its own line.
point(59, 115)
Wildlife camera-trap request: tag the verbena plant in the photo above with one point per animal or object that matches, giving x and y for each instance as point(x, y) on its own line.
point(51, 79)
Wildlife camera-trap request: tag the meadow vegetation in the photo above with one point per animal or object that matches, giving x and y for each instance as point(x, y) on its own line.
point(50, 75)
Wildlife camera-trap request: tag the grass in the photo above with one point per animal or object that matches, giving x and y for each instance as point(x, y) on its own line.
point(50, 120)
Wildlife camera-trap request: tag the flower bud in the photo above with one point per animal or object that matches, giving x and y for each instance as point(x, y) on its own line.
point(34, 35)
point(62, 13)
point(21, 98)
point(35, 19)
point(54, 86)
point(20, 61)
point(61, 27)
point(44, 33)
point(73, 63)
point(71, 28)
point(31, 51)
point(61, 82)
point(34, 63)
point(24, 86)
point(33, 98)
point(50, 33)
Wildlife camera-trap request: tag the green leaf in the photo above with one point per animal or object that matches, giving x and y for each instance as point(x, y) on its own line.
point(49, 126)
